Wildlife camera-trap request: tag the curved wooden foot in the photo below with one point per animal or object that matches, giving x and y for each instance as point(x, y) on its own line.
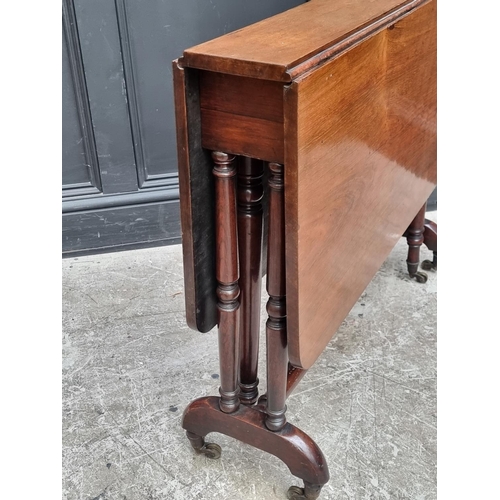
point(430, 235)
point(247, 424)
point(430, 241)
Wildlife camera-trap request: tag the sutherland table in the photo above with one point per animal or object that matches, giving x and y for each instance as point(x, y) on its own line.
point(307, 148)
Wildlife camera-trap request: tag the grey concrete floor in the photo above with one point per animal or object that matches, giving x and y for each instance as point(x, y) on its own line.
point(131, 365)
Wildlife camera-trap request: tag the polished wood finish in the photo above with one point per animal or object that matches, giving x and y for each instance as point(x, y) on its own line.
point(276, 336)
point(227, 274)
point(284, 46)
point(197, 204)
point(242, 116)
point(360, 162)
point(430, 235)
point(402, 105)
point(295, 448)
point(241, 96)
point(250, 195)
point(340, 98)
point(242, 135)
point(263, 426)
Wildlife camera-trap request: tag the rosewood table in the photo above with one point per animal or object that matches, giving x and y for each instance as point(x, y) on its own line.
point(307, 148)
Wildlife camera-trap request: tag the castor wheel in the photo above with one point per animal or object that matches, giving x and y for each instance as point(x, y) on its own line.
point(295, 493)
point(211, 450)
point(309, 492)
point(420, 277)
point(428, 265)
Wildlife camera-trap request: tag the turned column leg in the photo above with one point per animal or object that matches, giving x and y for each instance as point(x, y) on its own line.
point(264, 427)
point(277, 355)
point(250, 194)
point(226, 269)
point(415, 237)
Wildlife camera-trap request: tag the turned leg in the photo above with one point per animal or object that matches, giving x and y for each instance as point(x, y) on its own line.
point(277, 354)
point(263, 427)
point(250, 194)
point(227, 273)
point(415, 237)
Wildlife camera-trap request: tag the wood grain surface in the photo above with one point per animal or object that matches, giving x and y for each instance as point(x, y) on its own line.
point(360, 161)
point(197, 204)
point(277, 48)
point(242, 116)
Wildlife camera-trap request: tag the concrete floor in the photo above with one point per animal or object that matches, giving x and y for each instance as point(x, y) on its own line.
point(131, 365)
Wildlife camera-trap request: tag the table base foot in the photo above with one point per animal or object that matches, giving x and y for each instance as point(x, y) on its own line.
point(430, 241)
point(247, 424)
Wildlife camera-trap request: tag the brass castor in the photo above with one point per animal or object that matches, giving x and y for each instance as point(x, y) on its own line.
point(211, 450)
point(309, 492)
point(428, 265)
point(295, 493)
point(420, 277)
point(431, 265)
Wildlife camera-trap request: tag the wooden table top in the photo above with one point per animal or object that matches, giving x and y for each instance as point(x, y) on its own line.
point(360, 161)
point(349, 107)
point(284, 46)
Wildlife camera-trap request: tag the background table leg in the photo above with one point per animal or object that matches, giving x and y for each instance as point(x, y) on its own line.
point(250, 194)
point(415, 237)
